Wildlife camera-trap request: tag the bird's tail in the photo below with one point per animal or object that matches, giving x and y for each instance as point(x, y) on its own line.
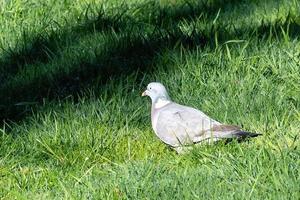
point(246, 134)
point(228, 135)
point(242, 135)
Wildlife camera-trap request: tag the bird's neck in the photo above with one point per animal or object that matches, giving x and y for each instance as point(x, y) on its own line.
point(160, 102)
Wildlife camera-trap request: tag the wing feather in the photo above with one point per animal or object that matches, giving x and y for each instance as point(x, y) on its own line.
point(178, 125)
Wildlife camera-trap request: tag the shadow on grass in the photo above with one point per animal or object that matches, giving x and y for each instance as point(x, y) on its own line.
point(131, 44)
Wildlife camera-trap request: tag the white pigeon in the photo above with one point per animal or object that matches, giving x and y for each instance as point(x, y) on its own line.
point(182, 126)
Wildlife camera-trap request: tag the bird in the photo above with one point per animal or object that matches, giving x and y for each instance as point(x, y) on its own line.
point(181, 126)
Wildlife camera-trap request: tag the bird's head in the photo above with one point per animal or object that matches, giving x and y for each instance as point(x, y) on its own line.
point(156, 91)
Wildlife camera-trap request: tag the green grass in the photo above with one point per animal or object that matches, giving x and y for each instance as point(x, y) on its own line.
point(73, 124)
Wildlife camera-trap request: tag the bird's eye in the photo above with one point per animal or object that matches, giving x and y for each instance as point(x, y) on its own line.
point(150, 88)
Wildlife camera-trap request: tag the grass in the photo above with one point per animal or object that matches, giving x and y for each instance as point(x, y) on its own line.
point(75, 127)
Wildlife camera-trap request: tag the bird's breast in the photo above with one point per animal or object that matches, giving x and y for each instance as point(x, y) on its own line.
point(154, 119)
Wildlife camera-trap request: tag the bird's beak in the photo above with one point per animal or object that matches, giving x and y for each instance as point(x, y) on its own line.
point(144, 93)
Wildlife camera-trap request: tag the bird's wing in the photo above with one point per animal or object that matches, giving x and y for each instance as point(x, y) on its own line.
point(179, 125)
point(217, 132)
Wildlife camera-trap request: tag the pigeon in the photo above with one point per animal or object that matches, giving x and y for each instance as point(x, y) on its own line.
point(181, 126)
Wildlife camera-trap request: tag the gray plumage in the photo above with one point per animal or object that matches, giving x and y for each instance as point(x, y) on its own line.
point(180, 126)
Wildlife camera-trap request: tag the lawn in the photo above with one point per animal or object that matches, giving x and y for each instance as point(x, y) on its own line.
point(73, 123)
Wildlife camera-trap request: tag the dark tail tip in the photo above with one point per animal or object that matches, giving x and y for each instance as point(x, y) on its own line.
point(245, 134)
point(242, 136)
